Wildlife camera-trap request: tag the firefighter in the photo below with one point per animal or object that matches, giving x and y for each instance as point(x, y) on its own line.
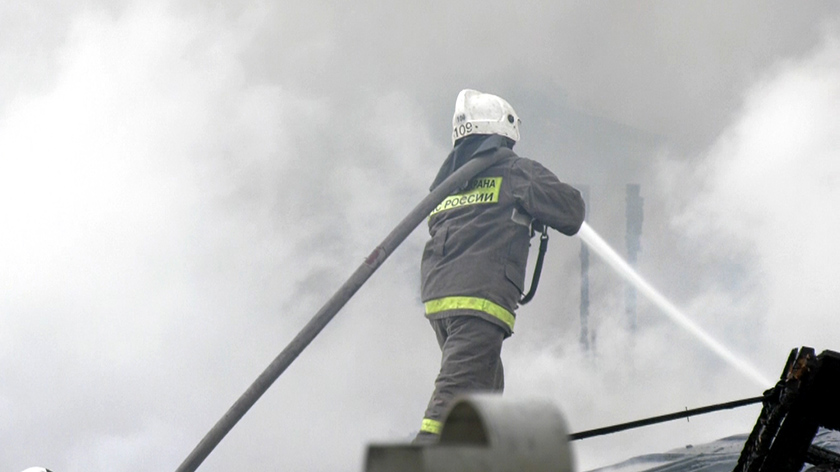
point(473, 267)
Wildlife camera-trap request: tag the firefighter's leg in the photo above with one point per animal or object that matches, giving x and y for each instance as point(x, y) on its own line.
point(470, 362)
point(499, 378)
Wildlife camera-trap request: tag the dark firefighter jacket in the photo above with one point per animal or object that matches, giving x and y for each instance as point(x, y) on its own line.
point(474, 263)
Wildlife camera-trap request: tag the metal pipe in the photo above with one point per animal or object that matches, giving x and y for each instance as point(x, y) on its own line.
point(663, 418)
point(586, 339)
point(333, 305)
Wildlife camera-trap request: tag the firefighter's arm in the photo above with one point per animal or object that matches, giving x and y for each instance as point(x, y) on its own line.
point(543, 196)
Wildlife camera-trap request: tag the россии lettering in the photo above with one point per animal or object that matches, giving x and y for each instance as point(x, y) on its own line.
point(479, 191)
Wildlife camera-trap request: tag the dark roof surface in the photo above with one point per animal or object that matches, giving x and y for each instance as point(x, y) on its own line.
point(717, 456)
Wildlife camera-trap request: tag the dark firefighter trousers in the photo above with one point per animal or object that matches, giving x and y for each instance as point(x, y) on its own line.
point(470, 362)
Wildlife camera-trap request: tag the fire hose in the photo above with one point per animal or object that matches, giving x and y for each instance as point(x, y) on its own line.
point(334, 304)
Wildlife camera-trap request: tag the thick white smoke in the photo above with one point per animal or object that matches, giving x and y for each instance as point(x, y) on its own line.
point(169, 223)
point(768, 192)
point(749, 250)
point(186, 185)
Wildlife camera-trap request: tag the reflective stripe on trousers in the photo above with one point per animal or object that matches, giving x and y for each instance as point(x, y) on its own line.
point(431, 426)
point(471, 303)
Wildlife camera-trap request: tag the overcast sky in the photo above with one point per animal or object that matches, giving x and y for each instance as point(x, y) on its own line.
point(182, 186)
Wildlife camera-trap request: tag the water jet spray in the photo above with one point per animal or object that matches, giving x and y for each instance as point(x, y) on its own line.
point(608, 254)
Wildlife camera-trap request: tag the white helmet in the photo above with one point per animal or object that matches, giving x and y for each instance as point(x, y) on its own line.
point(483, 113)
point(37, 469)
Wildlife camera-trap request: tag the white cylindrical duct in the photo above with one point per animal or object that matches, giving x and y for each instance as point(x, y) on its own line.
point(484, 433)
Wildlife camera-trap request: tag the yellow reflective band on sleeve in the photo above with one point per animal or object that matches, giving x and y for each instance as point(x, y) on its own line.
point(431, 426)
point(479, 190)
point(471, 303)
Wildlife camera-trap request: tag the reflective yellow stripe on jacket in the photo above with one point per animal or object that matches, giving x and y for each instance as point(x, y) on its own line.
point(471, 303)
